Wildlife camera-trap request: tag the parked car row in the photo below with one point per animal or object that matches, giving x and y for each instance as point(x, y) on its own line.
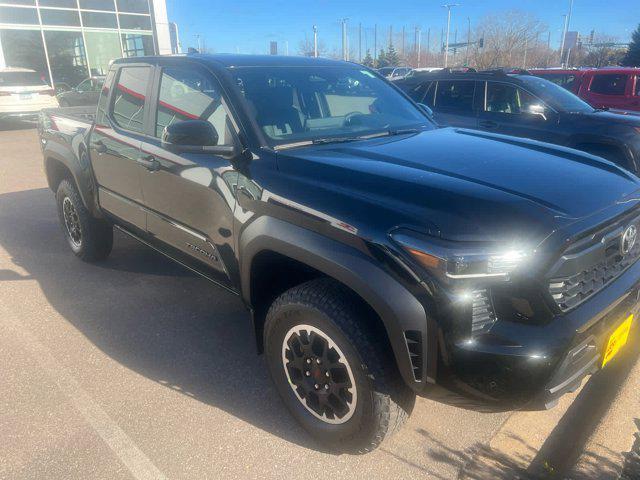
point(378, 254)
point(524, 105)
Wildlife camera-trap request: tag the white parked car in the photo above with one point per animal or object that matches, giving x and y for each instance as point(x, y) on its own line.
point(394, 73)
point(23, 93)
point(417, 71)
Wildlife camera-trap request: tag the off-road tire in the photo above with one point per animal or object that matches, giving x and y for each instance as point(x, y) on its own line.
point(383, 402)
point(96, 235)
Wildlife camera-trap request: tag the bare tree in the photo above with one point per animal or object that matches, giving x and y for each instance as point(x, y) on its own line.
point(601, 53)
point(507, 37)
point(305, 48)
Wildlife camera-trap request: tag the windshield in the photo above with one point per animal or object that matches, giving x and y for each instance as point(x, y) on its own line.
point(554, 95)
point(20, 79)
point(318, 103)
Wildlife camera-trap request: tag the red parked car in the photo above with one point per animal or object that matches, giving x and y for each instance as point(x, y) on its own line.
point(617, 88)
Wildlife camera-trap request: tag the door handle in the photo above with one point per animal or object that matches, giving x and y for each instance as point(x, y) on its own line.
point(149, 162)
point(488, 124)
point(100, 147)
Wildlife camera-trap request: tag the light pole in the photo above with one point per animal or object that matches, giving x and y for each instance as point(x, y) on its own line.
point(564, 34)
point(375, 41)
point(448, 6)
point(468, 40)
point(315, 41)
point(344, 39)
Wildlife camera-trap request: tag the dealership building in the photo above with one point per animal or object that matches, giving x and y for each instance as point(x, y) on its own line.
point(69, 40)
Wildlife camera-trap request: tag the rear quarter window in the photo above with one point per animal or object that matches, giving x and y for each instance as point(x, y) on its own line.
point(129, 96)
point(609, 84)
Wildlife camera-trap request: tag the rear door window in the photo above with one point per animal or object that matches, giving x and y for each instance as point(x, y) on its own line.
point(455, 95)
point(637, 91)
point(418, 92)
point(127, 107)
point(565, 80)
point(504, 98)
point(608, 84)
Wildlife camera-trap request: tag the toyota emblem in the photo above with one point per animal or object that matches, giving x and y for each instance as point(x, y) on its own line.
point(628, 239)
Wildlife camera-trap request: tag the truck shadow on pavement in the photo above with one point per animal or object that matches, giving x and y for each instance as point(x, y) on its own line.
point(159, 320)
point(149, 314)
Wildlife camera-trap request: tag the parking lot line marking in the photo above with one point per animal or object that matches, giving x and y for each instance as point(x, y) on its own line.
point(140, 466)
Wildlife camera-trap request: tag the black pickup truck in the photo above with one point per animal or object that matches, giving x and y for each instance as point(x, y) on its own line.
point(379, 256)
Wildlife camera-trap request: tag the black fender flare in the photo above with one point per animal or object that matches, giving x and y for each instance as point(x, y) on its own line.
point(80, 169)
point(398, 309)
point(605, 142)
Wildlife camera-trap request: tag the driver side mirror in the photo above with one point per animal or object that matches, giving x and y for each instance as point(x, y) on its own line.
point(426, 109)
point(538, 110)
point(195, 136)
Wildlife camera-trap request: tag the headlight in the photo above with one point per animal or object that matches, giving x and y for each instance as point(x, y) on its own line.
point(462, 260)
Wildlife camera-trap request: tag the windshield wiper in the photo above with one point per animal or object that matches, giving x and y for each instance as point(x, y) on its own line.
point(327, 140)
point(404, 131)
point(322, 141)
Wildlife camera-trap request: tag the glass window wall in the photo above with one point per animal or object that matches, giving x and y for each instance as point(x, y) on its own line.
point(65, 18)
point(19, 16)
point(137, 45)
point(135, 22)
point(67, 57)
point(24, 48)
point(102, 47)
point(98, 5)
point(99, 20)
point(58, 3)
point(133, 6)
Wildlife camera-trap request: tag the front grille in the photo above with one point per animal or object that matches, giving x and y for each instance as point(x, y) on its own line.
point(590, 264)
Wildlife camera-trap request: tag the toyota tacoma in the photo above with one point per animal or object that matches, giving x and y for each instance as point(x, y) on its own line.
point(379, 256)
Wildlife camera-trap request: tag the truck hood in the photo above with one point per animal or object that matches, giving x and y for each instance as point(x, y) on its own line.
point(462, 184)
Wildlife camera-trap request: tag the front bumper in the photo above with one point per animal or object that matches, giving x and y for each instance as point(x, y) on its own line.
point(24, 116)
point(26, 112)
point(534, 365)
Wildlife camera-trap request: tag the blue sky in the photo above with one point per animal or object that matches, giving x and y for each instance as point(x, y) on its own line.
point(247, 26)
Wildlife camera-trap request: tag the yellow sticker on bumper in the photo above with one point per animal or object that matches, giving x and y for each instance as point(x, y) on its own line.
point(617, 340)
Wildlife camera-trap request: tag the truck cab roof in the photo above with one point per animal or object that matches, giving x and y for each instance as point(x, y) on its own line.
point(229, 60)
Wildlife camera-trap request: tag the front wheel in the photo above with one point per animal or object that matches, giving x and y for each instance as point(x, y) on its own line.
point(91, 239)
point(332, 367)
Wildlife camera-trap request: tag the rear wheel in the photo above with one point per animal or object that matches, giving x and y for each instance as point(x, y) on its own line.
point(333, 370)
point(91, 239)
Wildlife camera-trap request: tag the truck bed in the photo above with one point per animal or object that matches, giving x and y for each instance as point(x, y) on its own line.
point(62, 125)
point(84, 114)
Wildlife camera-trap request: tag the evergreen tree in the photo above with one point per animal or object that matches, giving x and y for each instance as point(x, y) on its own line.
point(632, 57)
point(367, 61)
point(393, 60)
point(382, 59)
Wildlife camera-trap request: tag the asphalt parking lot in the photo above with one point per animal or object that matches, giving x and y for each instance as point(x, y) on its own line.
point(135, 368)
